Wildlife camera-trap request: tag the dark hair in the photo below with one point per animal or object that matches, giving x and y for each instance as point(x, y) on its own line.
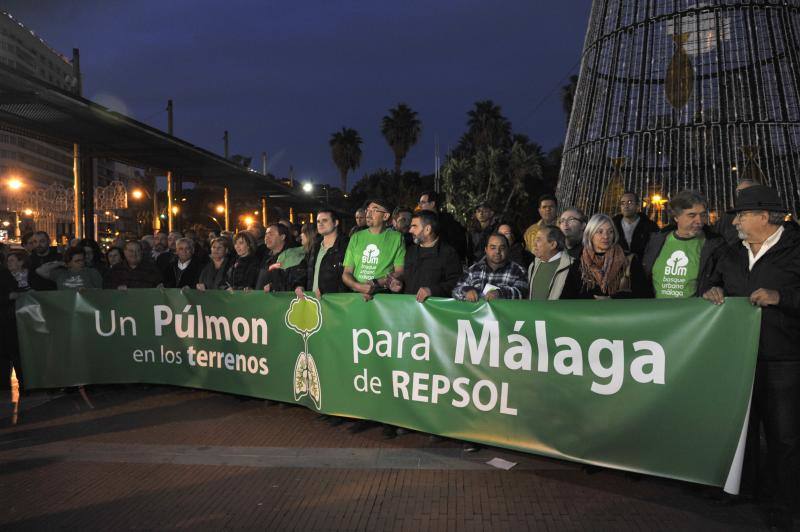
point(333, 214)
point(428, 218)
point(631, 193)
point(20, 254)
point(90, 243)
point(117, 249)
point(43, 233)
point(685, 199)
point(282, 230)
point(26, 237)
point(398, 210)
point(514, 231)
point(546, 197)
point(498, 235)
point(71, 252)
point(554, 234)
point(433, 196)
point(249, 239)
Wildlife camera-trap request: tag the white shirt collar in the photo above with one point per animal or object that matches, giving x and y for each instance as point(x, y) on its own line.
point(555, 257)
point(768, 243)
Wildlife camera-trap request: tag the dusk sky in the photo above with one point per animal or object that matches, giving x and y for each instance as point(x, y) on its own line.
point(283, 76)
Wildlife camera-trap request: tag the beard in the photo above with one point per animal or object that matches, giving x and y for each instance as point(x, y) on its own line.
point(741, 234)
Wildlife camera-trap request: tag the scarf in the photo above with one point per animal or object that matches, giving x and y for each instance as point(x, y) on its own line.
point(604, 271)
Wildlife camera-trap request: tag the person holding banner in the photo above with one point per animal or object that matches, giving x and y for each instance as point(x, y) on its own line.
point(494, 276)
point(243, 274)
point(134, 272)
point(215, 273)
point(679, 260)
point(432, 267)
point(285, 263)
point(325, 261)
point(374, 253)
point(72, 273)
point(766, 269)
point(604, 270)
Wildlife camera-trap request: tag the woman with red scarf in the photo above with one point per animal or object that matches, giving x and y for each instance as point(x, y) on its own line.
point(604, 270)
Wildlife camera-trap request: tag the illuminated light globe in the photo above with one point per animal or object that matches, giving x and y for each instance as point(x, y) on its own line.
point(677, 95)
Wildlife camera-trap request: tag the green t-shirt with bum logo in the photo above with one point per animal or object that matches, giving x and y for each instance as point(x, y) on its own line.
point(677, 267)
point(374, 256)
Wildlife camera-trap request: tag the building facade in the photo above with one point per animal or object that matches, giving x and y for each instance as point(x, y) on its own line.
point(44, 198)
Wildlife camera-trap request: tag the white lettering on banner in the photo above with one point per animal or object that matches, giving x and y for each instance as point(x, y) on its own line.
point(123, 321)
point(364, 343)
point(427, 388)
point(187, 324)
point(606, 358)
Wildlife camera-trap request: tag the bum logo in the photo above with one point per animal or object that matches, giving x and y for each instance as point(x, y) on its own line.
point(305, 318)
point(676, 264)
point(371, 254)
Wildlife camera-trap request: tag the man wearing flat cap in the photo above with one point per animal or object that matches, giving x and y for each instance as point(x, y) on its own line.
point(375, 255)
point(765, 268)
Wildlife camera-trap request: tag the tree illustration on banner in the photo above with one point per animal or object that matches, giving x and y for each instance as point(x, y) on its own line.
point(305, 318)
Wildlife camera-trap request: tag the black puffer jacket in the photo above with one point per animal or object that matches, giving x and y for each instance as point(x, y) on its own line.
point(243, 273)
point(331, 268)
point(778, 269)
point(712, 250)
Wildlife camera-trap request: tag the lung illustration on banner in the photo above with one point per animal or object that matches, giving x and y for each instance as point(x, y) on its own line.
point(305, 318)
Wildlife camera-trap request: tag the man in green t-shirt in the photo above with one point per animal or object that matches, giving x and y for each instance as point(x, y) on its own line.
point(679, 260)
point(374, 253)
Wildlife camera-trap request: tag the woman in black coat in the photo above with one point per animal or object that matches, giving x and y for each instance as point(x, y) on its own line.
point(215, 274)
point(604, 270)
point(243, 273)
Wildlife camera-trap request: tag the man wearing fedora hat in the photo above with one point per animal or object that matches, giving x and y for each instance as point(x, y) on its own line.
point(766, 269)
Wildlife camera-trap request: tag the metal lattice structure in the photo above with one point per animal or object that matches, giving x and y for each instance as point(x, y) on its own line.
point(676, 94)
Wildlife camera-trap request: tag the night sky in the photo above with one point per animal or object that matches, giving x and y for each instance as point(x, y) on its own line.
point(283, 76)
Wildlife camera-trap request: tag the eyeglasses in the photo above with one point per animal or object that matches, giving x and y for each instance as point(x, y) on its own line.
point(570, 220)
point(628, 202)
point(370, 209)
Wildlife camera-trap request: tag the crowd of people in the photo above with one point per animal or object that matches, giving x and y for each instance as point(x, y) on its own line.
point(751, 252)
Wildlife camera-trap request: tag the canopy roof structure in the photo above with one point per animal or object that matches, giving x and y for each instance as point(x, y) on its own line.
point(37, 109)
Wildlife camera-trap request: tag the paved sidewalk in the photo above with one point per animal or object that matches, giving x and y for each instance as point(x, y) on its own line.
point(170, 458)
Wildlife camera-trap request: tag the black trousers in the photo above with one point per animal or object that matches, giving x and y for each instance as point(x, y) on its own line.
point(776, 407)
point(9, 353)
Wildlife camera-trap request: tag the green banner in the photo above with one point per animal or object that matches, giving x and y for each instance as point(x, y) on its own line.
point(657, 387)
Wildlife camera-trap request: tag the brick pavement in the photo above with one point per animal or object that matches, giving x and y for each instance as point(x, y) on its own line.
point(169, 458)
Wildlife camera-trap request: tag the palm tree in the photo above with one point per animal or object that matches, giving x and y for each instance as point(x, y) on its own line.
point(346, 152)
point(401, 129)
point(487, 125)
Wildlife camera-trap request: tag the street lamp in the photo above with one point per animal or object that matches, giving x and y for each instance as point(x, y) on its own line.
point(14, 183)
point(308, 187)
point(220, 209)
point(137, 194)
point(175, 209)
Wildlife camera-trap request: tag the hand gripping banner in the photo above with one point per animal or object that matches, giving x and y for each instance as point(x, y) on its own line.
point(656, 387)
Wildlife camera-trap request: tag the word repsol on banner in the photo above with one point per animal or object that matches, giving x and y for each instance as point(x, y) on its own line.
point(197, 326)
point(648, 367)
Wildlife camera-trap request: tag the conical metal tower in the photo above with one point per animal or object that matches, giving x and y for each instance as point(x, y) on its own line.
point(677, 94)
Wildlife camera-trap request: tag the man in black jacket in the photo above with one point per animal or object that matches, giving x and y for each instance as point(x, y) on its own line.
point(41, 254)
point(633, 228)
point(432, 267)
point(766, 269)
point(679, 260)
point(324, 264)
point(185, 268)
point(451, 231)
